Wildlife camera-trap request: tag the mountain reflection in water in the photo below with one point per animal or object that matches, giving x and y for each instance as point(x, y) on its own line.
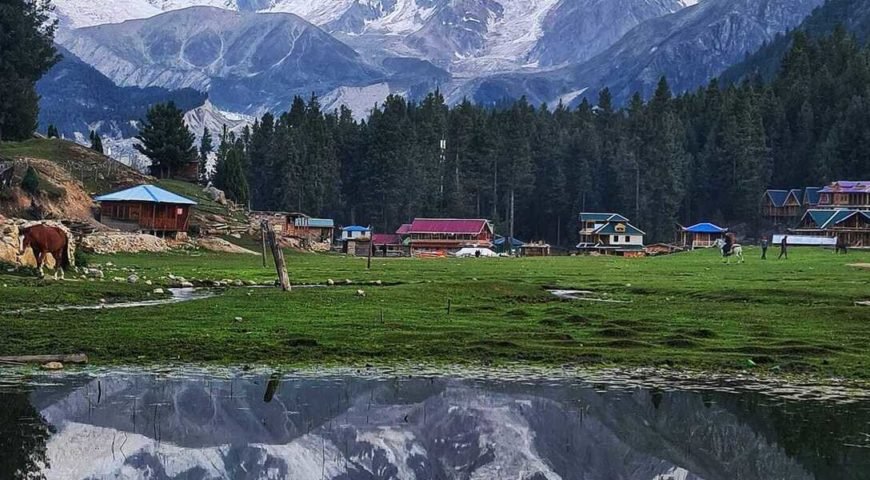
point(141, 425)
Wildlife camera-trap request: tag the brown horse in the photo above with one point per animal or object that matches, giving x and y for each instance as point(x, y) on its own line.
point(45, 239)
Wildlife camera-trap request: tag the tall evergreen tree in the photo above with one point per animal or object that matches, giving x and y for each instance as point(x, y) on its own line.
point(26, 53)
point(96, 141)
point(165, 139)
point(206, 148)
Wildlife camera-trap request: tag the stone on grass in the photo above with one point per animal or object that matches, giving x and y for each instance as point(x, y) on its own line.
point(117, 279)
point(238, 283)
point(149, 282)
point(185, 284)
point(238, 319)
point(52, 366)
point(330, 282)
point(360, 293)
point(132, 279)
point(158, 291)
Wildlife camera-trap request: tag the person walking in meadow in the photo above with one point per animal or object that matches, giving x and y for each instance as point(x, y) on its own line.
point(783, 248)
point(764, 244)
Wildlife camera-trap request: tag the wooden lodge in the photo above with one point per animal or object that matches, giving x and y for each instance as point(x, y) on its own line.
point(389, 245)
point(312, 230)
point(609, 234)
point(701, 235)
point(851, 227)
point(442, 236)
point(145, 208)
point(781, 205)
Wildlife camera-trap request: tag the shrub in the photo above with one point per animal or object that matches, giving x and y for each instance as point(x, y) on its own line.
point(30, 182)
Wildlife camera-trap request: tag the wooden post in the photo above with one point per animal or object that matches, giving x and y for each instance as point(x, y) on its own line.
point(263, 238)
point(371, 247)
point(277, 255)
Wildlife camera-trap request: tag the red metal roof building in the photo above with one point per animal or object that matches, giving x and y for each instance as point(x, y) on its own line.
point(447, 235)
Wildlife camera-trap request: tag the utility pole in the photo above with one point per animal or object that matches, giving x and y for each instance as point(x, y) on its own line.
point(511, 239)
point(442, 157)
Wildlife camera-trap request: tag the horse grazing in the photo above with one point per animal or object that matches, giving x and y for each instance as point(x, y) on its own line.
point(45, 239)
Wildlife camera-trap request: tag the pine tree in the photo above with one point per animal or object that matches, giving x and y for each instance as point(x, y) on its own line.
point(30, 182)
point(166, 140)
point(26, 53)
point(205, 150)
point(96, 141)
point(52, 132)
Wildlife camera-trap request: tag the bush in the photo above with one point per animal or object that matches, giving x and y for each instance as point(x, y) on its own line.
point(30, 182)
point(82, 259)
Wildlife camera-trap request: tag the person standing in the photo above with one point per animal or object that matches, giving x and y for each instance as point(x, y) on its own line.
point(764, 244)
point(783, 247)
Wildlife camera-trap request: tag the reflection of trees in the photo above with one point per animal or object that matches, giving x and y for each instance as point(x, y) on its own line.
point(23, 433)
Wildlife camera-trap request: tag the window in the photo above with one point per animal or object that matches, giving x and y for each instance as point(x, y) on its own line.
point(627, 239)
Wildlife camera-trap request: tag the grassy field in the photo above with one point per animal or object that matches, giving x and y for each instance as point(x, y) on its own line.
point(685, 311)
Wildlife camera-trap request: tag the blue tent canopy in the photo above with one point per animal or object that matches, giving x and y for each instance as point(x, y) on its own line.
point(145, 193)
point(705, 228)
point(356, 228)
point(500, 240)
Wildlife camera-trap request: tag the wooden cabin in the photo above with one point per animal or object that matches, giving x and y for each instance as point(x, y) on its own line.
point(782, 205)
point(145, 208)
point(701, 235)
point(852, 227)
point(845, 194)
point(609, 234)
point(314, 230)
point(389, 245)
point(443, 236)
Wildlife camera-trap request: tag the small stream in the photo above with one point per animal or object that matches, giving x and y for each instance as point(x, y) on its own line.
point(177, 295)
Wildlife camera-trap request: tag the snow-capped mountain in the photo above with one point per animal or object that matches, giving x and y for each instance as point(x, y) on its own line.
point(145, 427)
point(247, 62)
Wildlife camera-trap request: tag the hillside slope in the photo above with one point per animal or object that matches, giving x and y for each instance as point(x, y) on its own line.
point(854, 15)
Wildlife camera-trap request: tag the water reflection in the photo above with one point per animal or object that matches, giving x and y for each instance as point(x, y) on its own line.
point(141, 425)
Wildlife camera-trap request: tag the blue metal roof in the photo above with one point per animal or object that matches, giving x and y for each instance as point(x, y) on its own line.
point(356, 228)
point(500, 240)
point(145, 193)
point(777, 197)
point(705, 228)
point(819, 217)
point(601, 217)
point(811, 195)
point(609, 228)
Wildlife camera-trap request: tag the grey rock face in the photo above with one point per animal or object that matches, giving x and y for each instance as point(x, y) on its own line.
point(246, 61)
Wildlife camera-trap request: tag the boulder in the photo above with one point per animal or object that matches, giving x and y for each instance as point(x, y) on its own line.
point(185, 285)
point(158, 291)
point(216, 194)
point(52, 366)
point(132, 279)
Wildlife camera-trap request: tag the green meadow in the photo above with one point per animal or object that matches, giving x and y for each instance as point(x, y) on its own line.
point(686, 311)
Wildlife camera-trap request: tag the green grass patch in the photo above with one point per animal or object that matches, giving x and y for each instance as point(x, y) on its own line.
point(687, 310)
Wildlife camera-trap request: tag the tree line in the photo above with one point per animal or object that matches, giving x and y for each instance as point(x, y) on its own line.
point(706, 155)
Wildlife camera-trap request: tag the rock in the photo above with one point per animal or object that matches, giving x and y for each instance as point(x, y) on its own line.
point(348, 281)
point(238, 283)
point(330, 282)
point(216, 194)
point(115, 242)
point(52, 366)
point(149, 282)
point(360, 293)
point(250, 283)
point(158, 291)
point(110, 264)
point(102, 300)
point(132, 279)
point(238, 319)
point(378, 283)
point(171, 276)
point(117, 279)
point(268, 283)
point(185, 285)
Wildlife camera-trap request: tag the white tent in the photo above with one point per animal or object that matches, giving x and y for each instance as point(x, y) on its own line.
point(473, 252)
